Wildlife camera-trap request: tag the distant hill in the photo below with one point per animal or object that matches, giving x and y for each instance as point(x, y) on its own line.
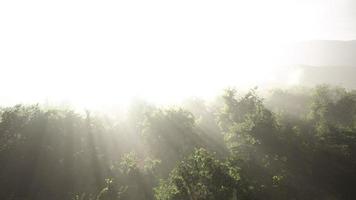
point(344, 76)
point(322, 61)
point(324, 53)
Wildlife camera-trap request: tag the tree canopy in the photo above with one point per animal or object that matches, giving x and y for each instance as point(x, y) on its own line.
point(290, 144)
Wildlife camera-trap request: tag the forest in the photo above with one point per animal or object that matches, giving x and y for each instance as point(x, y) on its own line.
point(290, 144)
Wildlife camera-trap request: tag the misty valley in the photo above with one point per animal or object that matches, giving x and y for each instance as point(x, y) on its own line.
point(178, 100)
point(292, 144)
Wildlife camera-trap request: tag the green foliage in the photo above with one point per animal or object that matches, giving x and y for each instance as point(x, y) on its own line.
point(169, 135)
point(251, 134)
point(293, 145)
point(198, 177)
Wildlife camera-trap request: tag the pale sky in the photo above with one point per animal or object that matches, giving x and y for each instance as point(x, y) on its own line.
point(107, 52)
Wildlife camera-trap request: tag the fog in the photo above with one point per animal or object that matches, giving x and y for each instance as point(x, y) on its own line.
point(178, 100)
point(91, 54)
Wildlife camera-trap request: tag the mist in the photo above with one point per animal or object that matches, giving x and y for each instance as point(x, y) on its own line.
point(91, 53)
point(178, 100)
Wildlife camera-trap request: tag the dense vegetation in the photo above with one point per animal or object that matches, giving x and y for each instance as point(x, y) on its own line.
point(295, 144)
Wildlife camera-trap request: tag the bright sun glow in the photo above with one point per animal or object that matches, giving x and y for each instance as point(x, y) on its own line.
point(96, 52)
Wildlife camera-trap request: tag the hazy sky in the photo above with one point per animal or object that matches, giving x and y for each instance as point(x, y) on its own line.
point(92, 52)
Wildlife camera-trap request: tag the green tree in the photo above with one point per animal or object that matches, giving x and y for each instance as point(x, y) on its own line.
point(199, 177)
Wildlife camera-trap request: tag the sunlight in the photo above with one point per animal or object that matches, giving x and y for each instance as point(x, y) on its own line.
point(185, 99)
point(91, 54)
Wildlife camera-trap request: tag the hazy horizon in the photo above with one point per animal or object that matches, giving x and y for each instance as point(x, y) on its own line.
point(91, 53)
point(178, 100)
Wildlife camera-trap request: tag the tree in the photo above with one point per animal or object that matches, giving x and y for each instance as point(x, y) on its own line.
point(169, 135)
point(199, 177)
